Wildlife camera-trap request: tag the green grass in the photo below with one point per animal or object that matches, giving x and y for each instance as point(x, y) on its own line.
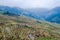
point(42, 38)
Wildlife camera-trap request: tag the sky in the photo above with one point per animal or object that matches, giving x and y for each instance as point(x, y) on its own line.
point(31, 3)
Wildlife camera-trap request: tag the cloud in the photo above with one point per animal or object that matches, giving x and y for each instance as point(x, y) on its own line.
point(31, 3)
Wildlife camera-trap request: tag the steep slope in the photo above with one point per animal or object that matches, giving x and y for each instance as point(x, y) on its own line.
point(54, 15)
point(25, 28)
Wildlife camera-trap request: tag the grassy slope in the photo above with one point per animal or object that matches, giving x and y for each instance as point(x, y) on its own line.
point(18, 28)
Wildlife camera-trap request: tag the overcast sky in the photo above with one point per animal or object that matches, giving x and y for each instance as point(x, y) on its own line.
point(31, 3)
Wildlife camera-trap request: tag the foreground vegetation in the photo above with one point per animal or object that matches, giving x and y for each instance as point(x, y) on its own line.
point(24, 28)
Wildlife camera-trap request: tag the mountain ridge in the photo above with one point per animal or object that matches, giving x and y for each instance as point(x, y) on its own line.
point(39, 13)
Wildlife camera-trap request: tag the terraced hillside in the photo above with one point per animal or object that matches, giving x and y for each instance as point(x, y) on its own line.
point(25, 28)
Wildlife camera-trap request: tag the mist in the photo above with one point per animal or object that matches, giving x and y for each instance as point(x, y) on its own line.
point(31, 3)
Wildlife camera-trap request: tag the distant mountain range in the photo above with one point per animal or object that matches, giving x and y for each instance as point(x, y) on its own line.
point(52, 15)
